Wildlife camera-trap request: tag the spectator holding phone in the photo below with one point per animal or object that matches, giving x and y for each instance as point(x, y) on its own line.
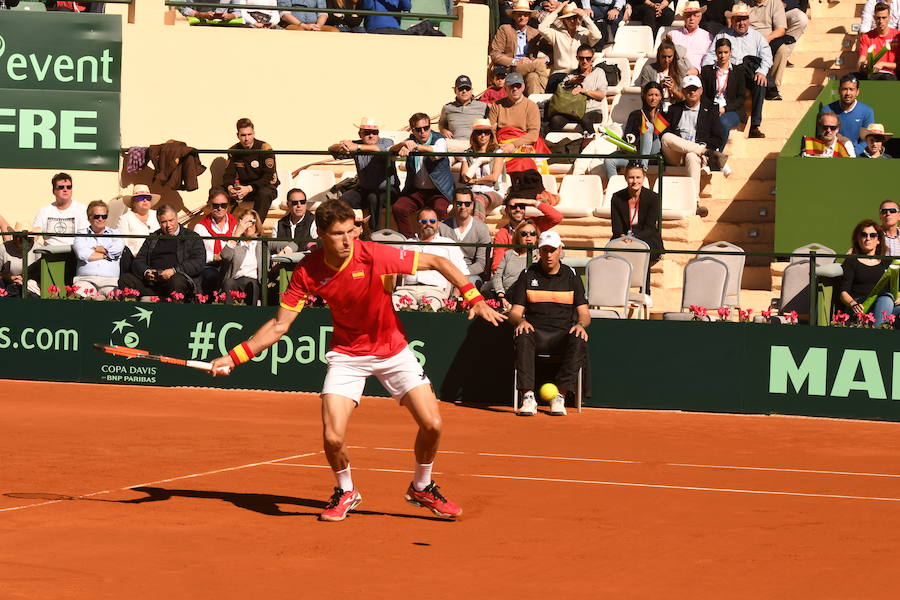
point(242, 261)
point(667, 71)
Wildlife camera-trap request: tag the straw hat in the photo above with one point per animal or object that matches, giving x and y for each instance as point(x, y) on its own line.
point(368, 123)
point(520, 6)
point(140, 189)
point(482, 124)
point(693, 6)
point(874, 129)
point(738, 10)
point(358, 215)
point(568, 11)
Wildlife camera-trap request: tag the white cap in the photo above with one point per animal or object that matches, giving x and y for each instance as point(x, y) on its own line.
point(691, 80)
point(550, 238)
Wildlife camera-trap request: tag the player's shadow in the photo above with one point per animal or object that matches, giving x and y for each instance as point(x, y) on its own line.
point(266, 504)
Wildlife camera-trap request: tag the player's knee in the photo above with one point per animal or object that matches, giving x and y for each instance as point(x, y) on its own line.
point(431, 426)
point(333, 440)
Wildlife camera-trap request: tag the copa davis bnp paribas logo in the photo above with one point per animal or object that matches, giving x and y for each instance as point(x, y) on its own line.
point(127, 331)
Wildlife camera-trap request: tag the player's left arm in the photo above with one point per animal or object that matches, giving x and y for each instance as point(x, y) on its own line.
point(267, 336)
point(456, 277)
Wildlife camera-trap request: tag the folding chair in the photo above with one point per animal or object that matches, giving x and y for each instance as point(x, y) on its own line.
point(735, 264)
point(705, 283)
point(608, 279)
point(640, 271)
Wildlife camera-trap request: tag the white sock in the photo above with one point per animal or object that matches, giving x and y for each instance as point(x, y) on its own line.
point(344, 480)
point(422, 476)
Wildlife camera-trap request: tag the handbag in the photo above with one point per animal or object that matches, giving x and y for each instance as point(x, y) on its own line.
point(564, 102)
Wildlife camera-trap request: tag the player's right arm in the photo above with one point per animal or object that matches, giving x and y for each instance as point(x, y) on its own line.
point(266, 336)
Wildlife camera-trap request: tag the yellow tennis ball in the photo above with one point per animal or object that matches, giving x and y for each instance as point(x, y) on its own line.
point(548, 392)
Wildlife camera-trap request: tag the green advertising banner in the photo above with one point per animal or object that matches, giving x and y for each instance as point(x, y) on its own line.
point(60, 80)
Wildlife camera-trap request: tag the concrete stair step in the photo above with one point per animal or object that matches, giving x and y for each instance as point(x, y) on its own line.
point(826, 25)
point(785, 109)
point(825, 42)
point(753, 167)
point(848, 11)
point(728, 210)
point(742, 234)
point(802, 75)
point(771, 144)
point(799, 91)
point(745, 189)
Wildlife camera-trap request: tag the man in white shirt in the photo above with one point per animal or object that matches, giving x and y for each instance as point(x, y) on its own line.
point(429, 286)
point(828, 127)
point(464, 227)
point(64, 215)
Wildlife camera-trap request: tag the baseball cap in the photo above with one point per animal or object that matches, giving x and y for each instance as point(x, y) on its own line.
point(691, 80)
point(550, 238)
point(514, 78)
point(498, 71)
point(463, 81)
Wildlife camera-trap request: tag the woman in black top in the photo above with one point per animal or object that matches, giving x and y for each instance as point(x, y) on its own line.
point(861, 274)
point(635, 211)
point(652, 13)
point(647, 142)
point(724, 85)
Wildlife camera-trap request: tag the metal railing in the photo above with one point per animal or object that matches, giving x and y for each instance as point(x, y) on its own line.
point(344, 11)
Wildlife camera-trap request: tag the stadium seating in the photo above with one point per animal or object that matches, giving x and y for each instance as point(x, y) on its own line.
point(315, 182)
point(623, 105)
point(580, 195)
point(607, 279)
point(705, 284)
point(638, 297)
point(679, 198)
point(735, 264)
point(632, 42)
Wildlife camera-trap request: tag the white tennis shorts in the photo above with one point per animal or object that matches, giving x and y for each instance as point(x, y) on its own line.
point(347, 374)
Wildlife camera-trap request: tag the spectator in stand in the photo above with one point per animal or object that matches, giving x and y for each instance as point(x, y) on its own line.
point(694, 132)
point(854, 115)
point(259, 18)
point(876, 39)
point(516, 204)
point(748, 48)
point(166, 264)
point(605, 13)
point(635, 210)
point(515, 260)
point(516, 47)
point(714, 20)
point(640, 129)
point(652, 14)
point(205, 13)
point(694, 40)
point(304, 21)
point(668, 71)
point(827, 126)
point(768, 18)
point(298, 224)
point(550, 315)
point(797, 19)
point(346, 22)
point(889, 212)
point(374, 172)
point(585, 81)
point(139, 220)
point(430, 286)
point(98, 254)
point(11, 276)
point(867, 18)
point(875, 137)
point(463, 227)
point(243, 262)
point(63, 215)
point(568, 39)
point(251, 177)
point(455, 122)
point(483, 173)
point(428, 179)
point(218, 222)
point(496, 90)
point(725, 86)
point(862, 275)
point(384, 24)
point(516, 111)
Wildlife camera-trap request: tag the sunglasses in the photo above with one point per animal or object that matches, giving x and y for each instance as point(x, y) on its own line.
point(889, 211)
point(516, 86)
point(517, 206)
point(427, 221)
point(296, 202)
point(528, 233)
point(876, 138)
point(464, 202)
point(219, 205)
point(101, 217)
point(426, 128)
point(483, 132)
point(369, 132)
point(872, 235)
point(464, 88)
point(141, 199)
point(830, 127)
point(584, 57)
point(64, 187)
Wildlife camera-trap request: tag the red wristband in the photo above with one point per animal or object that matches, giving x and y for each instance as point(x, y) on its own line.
point(241, 353)
point(470, 294)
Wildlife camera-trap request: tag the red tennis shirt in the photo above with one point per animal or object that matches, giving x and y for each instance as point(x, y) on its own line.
point(362, 313)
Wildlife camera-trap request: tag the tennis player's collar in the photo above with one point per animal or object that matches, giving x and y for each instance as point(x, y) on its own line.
point(346, 260)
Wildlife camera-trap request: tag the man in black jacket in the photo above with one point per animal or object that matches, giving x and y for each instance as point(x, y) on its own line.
point(166, 265)
point(251, 176)
point(298, 224)
point(694, 132)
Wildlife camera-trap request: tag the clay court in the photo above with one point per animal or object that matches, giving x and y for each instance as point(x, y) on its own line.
point(132, 492)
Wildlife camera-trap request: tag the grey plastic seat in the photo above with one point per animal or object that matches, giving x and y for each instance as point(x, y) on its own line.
point(387, 235)
point(640, 271)
point(819, 249)
point(608, 279)
point(705, 284)
point(735, 264)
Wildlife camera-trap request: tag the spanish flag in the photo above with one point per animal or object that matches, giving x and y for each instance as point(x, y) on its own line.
point(813, 146)
point(645, 124)
point(840, 151)
point(659, 124)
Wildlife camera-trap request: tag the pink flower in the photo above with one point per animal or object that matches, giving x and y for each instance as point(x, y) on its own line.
point(3, 293)
point(840, 318)
point(890, 319)
point(744, 315)
point(699, 312)
point(406, 300)
point(53, 289)
point(175, 297)
point(724, 313)
point(130, 293)
point(201, 298)
point(154, 298)
point(449, 303)
point(792, 317)
point(767, 314)
point(495, 304)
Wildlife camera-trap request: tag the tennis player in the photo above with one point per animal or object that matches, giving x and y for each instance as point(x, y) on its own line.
point(368, 339)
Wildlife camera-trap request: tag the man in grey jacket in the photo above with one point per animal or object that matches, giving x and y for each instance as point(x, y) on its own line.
point(462, 226)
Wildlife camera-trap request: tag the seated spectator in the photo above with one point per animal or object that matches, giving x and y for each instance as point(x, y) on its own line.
point(12, 279)
point(243, 262)
point(455, 122)
point(725, 85)
point(496, 89)
point(483, 173)
point(517, 112)
point(694, 132)
point(750, 49)
point(667, 72)
point(714, 20)
point(867, 18)
point(516, 47)
point(860, 289)
point(652, 14)
point(694, 40)
point(875, 137)
point(550, 315)
point(386, 23)
point(165, 265)
point(298, 224)
point(304, 21)
point(259, 18)
point(207, 13)
point(375, 173)
point(889, 212)
point(828, 142)
point(430, 287)
point(515, 214)
point(98, 253)
point(767, 17)
point(218, 222)
point(428, 179)
point(568, 39)
point(63, 215)
point(642, 129)
point(251, 177)
point(346, 22)
point(514, 261)
point(607, 15)
point(797, 19)
point(872, 41)
point(854, 115)
point(585, 81)
point(140, 219)
point(463, 227)
point(635, 210)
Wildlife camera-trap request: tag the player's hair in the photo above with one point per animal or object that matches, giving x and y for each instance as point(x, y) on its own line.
point(881, 6)
point(165, 209)
point(95, 203)
point(418, 117)
point(215, 192)
point(331, 212)
point(59, 177)
point(244, 122)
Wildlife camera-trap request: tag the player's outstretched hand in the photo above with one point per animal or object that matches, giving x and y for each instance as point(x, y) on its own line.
point(487, 313)
point(222, 366)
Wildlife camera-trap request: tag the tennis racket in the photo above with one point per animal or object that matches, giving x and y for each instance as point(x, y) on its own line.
point(126, 352)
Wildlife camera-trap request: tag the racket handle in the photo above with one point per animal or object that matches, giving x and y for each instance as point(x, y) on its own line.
point(199, 364)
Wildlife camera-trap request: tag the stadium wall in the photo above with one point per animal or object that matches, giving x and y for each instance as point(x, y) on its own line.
point(711, 367)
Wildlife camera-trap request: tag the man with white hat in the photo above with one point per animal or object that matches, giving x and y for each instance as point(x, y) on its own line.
point(518, 46)
point(375, 173)
point(63, 215)
point(455, 122)
point(748, 48)
point(550, 314)
point(691, 41)
point(140, 219)
point(568, 39)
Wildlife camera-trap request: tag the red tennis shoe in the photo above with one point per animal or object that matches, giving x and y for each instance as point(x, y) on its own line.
point(432, 499)
point(340, 504)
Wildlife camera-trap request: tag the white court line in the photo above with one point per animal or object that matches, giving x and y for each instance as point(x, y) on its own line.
point(816, 471)
point(626, 484)
point(603, 460)
point(192, 475)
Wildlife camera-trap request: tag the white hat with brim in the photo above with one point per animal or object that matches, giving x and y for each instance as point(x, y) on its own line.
point(368, 123)
point(482, 124)
point(520, 6)
point(139, 190)
point(568, 11)
point(738, 10)
point(874, 129)
point(693, 6)
point(358, 215)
